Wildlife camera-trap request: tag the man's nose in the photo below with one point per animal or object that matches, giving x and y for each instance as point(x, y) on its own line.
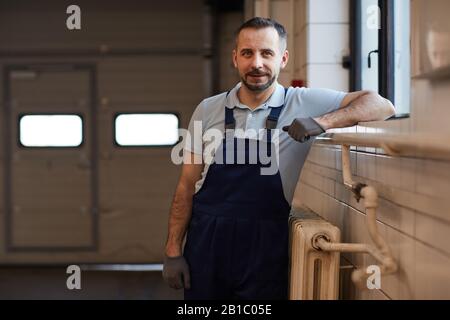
point(257, 62)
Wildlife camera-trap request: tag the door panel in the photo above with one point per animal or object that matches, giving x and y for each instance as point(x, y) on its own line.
point(52, 197)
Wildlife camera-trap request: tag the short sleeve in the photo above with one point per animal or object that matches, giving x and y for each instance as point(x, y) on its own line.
point(317, 102)
point(193, 141)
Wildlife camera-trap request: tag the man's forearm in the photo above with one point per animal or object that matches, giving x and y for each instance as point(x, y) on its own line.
point(368, 107)
point(180, 215)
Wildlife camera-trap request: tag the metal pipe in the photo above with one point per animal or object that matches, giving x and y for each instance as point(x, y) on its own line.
point(325, 245)
point(346, 167)
point(381, 251)
point(426, 146)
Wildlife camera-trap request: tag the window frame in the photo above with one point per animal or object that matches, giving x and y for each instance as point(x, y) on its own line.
point(386, 50)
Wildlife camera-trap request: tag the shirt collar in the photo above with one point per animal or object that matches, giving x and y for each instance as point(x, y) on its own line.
point(275, 100)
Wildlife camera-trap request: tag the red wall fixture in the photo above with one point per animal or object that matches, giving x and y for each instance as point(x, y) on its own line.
point(297, 83)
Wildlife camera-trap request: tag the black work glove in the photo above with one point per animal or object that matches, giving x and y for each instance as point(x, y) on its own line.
point(176, 272)
point(301, 129)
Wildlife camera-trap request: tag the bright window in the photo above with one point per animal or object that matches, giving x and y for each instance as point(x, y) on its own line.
point(402, 56)
point(51, 130)
point(369, 44)
point(382, 54)
point(155, 129)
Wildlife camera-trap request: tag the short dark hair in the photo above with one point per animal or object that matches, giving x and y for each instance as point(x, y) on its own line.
point(260, 23)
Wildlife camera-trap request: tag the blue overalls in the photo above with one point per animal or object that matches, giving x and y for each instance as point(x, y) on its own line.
point(237, 241)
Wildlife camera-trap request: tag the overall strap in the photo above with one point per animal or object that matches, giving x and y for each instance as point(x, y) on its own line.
point(272, 119)
point(230, 123)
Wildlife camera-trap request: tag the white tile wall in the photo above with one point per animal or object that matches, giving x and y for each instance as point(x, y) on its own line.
point(319, 76)
point(326, 11)
point(328, 43)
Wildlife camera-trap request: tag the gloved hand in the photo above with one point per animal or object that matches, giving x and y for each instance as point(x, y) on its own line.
point(176, 272)
point(301, 129)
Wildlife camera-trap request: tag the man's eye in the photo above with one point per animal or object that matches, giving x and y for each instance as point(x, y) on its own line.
point(246, 53)
point(267, 53)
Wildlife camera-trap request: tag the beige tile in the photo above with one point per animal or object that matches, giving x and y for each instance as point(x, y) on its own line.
point(437, 207)
point(312, 179)
point(331, 157)
point(310, 197)
point(400, 285)
point(366, 166)
point(433, 178)
point(335, 212)
point(408, 170)
point(432, 273)
point(370, 295)
point(385, 173)
point(434, 232)
point(313, 154)
point(396, 216)
point(396, 172)
point(338, 164)
point(328, 186)
point(329, 173)
point(326, 156)
point(301, 194)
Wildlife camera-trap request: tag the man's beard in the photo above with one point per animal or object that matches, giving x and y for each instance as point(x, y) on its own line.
point(260, 86)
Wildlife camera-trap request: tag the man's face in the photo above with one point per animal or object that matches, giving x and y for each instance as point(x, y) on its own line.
point(259, 57)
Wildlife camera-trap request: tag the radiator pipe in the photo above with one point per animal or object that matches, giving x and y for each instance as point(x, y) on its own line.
point(381, 251)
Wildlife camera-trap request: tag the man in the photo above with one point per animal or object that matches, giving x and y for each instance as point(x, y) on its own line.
point(237, 217)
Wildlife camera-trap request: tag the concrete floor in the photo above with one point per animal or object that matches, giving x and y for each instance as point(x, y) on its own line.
point(50, 283)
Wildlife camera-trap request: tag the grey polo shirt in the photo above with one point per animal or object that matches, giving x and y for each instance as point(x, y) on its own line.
point(300, 103)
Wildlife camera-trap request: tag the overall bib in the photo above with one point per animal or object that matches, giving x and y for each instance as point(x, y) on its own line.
point(237, 241)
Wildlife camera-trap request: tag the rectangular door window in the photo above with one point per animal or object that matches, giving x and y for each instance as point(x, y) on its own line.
point(51, 130)
point(153, 129)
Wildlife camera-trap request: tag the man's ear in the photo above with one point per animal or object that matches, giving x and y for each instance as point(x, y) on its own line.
point(234, 58)
point(284, 59)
